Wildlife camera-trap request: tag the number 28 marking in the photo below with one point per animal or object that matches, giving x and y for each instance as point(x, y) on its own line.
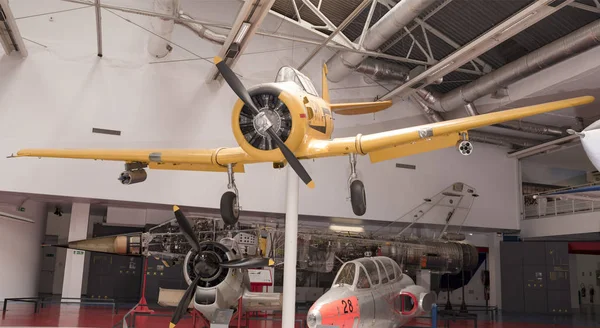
point(348, 308)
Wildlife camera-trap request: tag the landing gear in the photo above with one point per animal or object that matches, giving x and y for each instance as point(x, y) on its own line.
point(358, 197)
point(230, 208)
point(134, 173)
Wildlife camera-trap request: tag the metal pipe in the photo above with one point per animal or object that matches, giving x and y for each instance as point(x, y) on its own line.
point(340, 27)
point(342, 63)
point(158, 46)
point(501, 140)
point(380, 70)
point(522, 126)
point(150, 13)
point(367, 23)
point(201, 30)
point(98, 27)
point(490, 138)
point(574, 43)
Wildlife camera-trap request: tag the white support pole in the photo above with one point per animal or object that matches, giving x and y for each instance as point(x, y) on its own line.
point(291, 247)
point(74, 264)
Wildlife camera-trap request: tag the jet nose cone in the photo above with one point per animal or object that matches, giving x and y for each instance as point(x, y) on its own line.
point(313, 319)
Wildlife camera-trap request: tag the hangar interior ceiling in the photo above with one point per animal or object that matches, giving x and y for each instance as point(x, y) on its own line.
point(443, 54)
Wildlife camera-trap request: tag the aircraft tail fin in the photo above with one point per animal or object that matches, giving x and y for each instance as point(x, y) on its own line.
point(324, 84)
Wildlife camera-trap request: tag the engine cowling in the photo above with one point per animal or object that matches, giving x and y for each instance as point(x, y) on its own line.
point(219, 287)
point(287, 114)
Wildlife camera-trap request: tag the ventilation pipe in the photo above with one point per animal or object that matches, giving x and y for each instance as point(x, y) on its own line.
point(522, 126)
point(158, 46)
point(490, 138)
point(431, 98)
point(576, 42)
point(202, 31)
point(344, 62)
point(380, 70)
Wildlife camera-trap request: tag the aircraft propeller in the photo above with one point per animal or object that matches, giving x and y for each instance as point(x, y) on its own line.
point(236, 85)
point(206, 264)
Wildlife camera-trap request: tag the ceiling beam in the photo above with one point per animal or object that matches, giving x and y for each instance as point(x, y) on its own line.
point(10, 37)
point(501, 32)
point(337, 30)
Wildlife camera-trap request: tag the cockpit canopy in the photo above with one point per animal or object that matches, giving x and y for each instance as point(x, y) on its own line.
point(290, 74)
point(368, 272)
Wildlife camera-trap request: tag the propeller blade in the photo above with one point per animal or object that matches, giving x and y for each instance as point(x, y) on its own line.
point(186, 228)
point(235, 84)
point(248, 262)
point(183, 304)
point(292, 160)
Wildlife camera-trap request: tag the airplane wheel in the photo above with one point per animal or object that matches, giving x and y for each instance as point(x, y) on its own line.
point(230, 210)
point(358, 198)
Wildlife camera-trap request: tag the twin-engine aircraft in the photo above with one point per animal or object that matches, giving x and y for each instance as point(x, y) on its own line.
point(285, 121)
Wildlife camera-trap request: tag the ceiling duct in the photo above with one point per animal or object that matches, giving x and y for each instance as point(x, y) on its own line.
point(158, 45)
point(380, 70)
point(201, 30)
point(522, 126)
point(490, 138)
point(576, 42)
point(344, 62)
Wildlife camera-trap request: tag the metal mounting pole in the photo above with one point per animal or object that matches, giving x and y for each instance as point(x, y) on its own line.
point(98, 27)
point(288, 315)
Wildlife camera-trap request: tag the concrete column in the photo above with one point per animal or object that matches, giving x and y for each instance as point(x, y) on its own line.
point(74, 264)
point(424, 279)
point(494, 267)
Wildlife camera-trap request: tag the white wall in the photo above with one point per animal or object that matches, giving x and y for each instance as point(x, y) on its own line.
point(69, 90)
point(560, 225)
point(20, 251)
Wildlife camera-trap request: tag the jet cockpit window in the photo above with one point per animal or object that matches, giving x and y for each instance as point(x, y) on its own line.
point(363, 279)
point(397, 270)
point(346, 275)
point(287, 74)
point(382, 274)
point(389, 267)
point(371, 270)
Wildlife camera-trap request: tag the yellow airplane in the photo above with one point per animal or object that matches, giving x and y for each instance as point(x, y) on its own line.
point(286, 121)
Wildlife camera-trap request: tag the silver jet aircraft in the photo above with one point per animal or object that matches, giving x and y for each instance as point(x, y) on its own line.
point(370, 292)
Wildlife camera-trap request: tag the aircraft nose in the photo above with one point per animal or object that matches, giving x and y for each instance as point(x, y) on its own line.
point(313, 319)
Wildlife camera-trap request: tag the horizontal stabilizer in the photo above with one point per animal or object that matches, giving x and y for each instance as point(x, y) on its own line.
point(360, 107)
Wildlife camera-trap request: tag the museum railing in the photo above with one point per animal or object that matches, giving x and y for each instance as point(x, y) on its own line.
point(538, 206)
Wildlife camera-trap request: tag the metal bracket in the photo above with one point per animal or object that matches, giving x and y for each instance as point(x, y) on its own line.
point(135, 166)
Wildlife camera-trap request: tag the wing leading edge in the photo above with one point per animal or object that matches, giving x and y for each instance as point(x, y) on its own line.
point(162, 159)
point(418, 139)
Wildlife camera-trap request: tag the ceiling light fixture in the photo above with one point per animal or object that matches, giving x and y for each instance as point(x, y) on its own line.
point(15, 217)
point(335, 227)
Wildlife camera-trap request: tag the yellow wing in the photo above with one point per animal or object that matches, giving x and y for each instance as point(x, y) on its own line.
point(418, 139)
point(163, 159)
